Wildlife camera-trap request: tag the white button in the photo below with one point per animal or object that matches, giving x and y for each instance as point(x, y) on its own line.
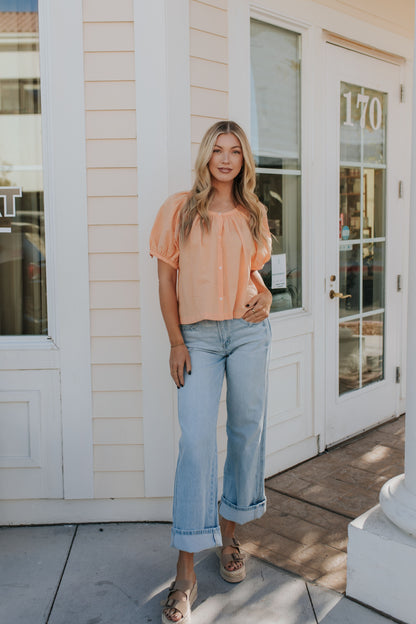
point(220, 298)
point(220, 268)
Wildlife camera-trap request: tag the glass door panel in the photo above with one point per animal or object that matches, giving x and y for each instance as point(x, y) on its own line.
point(22, 232)
point(374, 222)
point(349, 280)
point(362, 241)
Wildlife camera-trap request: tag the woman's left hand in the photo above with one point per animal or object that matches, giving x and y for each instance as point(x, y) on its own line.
point(258, 308)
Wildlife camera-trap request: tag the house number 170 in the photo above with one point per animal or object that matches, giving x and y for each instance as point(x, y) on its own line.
point(374, 110)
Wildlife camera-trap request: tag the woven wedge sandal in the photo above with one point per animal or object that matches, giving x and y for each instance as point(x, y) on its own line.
point(182, 605)
point(232, 576)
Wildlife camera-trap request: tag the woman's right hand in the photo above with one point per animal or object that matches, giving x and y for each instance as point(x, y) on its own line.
point(179, 360)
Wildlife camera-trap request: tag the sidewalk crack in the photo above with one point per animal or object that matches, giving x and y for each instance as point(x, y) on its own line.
point(62, 575)
point(308, 502)
point(310, 600)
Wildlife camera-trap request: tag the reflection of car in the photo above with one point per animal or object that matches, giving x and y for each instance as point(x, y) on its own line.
point(34, 285)
point(283, 298)
point(372, 277)
point(23, 276)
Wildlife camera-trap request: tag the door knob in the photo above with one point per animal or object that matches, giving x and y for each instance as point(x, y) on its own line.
point(333, 295)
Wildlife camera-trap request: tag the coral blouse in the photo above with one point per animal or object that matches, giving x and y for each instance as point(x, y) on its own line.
point(214, 281)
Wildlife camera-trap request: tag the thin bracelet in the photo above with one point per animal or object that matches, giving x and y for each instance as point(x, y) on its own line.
point(180, 344)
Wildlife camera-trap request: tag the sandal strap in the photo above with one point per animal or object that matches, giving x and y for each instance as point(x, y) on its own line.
point(231, 557)
point(182, 586)
point(227, 558)
point(179, 604)
point(231, 541)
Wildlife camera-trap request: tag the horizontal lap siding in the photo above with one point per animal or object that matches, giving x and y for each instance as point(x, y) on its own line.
point(208, 66)
point(113, 247)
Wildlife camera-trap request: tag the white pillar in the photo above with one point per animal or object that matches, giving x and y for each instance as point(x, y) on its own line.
point(398, 496)
point(382, 542)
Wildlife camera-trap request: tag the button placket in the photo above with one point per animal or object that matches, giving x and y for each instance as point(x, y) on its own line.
point(220, 264)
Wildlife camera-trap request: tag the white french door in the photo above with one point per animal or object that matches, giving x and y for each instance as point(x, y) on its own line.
point(363, 229)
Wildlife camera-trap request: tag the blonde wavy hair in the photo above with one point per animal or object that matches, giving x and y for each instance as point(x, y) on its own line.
point(202, 192)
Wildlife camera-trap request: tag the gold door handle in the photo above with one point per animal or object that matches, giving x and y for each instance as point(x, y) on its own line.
point(333, 295)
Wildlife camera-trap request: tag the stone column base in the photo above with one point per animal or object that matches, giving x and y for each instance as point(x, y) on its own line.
point(399, 504)
point(381, 566)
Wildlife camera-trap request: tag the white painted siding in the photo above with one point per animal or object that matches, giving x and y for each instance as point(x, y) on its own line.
point(208, 66)
point(113, 247)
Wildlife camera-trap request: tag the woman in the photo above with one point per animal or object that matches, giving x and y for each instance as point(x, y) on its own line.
point(210, 243)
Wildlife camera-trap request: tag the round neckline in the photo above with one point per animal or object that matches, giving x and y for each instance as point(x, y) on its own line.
point(227, 212)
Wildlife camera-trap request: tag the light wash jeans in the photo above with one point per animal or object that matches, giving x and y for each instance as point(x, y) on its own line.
point(241, 351)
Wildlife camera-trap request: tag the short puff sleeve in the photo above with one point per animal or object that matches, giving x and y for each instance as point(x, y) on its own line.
point(263, 251)
point(164, 237)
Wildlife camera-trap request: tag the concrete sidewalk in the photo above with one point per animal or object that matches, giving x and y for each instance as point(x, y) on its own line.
point(118, 574)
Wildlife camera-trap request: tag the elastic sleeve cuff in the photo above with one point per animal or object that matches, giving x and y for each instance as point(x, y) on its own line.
point(168, 261)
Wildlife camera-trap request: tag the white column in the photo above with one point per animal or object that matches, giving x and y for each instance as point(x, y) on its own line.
point(398, 496)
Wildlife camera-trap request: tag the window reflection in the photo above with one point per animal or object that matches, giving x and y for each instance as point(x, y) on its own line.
point(361, 352)
point(349, 279)
point(22, 231)
point(350, 203)
point(373, 205)
point(373, 276)
point(282, 274)
point(275, 139)
point(19, 97)
point(373, 358)
point(349, 356)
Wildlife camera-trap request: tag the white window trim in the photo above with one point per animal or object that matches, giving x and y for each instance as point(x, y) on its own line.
point(64, 165)
point(164, 167)
point(240, 13)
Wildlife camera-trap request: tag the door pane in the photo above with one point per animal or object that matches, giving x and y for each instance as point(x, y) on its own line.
point(374, 140)
point(350, 203)
point(361, 352)
point(349, 356)
point(22, 232)
point(373, 203)
point(363, 124)
point(350, 126)
point(373, 351)
point(373, 276)
point(349, 279)
point(362, 236)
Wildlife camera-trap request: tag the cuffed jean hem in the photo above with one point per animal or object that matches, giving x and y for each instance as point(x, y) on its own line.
point(241, 515)
point(194, 541)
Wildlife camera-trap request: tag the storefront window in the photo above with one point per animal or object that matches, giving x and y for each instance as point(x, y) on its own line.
point(275, 138)
point(22, 232)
